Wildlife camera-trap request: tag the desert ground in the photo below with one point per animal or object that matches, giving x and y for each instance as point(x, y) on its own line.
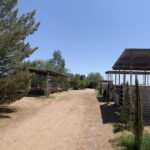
point(73, 120)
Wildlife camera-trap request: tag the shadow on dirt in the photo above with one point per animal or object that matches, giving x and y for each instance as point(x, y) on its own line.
point(108, 113)
point(100, 99)
point(5, 111)
point(109, 116)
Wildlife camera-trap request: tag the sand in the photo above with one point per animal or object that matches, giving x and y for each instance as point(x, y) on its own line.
point(74, 120)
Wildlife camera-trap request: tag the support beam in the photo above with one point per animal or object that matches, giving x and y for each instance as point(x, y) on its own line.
point(131, 69)
point(119, 77)
point(115, 79)
point(131, 77)
point(124, 79)
point(145, 78)
point(47, 83)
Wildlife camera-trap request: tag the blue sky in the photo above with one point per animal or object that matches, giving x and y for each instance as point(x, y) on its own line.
point(90, 33)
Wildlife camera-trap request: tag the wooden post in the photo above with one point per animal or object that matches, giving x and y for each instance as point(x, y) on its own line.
point(131, 77)
point(145, 78)
point(119, 77)
point(124, 78)
point(131, 69)
point(47, 82)
point(115, 79)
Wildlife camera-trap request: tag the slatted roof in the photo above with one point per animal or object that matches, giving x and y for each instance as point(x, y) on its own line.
point(135, 59)
point(128, 72)
point(47, 72)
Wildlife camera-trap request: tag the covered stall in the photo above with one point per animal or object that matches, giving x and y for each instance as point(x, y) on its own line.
point(131, 63)
point(48, 85)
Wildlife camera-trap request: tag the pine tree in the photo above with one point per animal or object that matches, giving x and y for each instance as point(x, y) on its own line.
point(14, 75)
point(127, 107)
point(138, 125)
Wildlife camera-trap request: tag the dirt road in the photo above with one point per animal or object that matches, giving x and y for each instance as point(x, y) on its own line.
point(71, 121)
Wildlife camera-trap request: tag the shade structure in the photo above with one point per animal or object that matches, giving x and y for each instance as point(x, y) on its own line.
point(133, 59)
point(128, 72)
point(47, 72)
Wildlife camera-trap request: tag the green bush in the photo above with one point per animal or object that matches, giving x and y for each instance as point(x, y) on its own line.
point(83, 84)
point(47, 93)
point(126, 109)
point(127, 142)
point(138, 124)
point(45, 97)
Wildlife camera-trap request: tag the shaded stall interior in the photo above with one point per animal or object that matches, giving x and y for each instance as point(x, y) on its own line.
point(38, 88)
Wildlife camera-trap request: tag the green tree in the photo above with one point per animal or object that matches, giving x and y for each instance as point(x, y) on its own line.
point(138, 125)
point(58, 62)
point(76, 81)
point(126, 109)
point(14, 75)
point(93, 79)
point(83, 84)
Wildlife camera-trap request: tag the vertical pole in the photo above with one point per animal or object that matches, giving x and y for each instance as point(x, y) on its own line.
point(119, 77)
point(136, 76)
point(115, 79)
point(124, 78)
point(130, 69)
point(130, 77)
point(145, 78)
point(47, 82)
point(131, 74)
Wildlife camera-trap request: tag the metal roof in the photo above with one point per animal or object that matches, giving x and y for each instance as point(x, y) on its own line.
point(133, 59)
point(47, 72)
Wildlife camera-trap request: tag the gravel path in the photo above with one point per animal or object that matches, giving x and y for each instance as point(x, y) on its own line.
point(71, 121)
